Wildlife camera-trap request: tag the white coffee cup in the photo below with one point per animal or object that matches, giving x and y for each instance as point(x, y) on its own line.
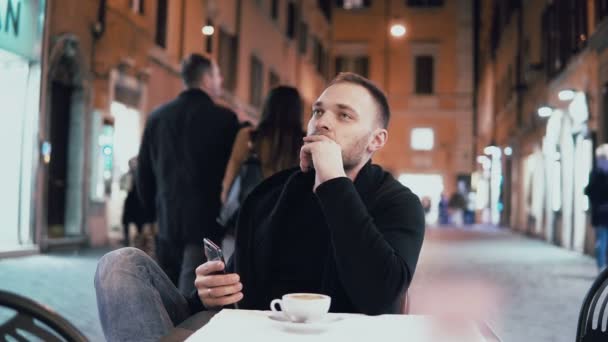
point(302, 307)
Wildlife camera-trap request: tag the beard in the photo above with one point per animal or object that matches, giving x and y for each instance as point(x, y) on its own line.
point(353, 154)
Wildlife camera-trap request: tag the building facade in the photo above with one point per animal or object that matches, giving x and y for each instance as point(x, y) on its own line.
point(541, 106)
point(421, 54)
point(21, 46)
point(84, 75)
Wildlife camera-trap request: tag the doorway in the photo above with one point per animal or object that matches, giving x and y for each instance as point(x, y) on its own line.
point(61, 100)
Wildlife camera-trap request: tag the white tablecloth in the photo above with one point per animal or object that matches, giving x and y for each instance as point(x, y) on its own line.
point(247, 325)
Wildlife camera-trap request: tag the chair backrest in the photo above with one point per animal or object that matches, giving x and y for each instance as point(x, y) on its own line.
point(589, 329)
point(55, 327)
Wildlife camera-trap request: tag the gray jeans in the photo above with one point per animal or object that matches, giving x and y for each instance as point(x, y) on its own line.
point(135, 298)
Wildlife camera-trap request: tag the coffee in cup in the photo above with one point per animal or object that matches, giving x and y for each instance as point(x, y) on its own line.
point(302, 307)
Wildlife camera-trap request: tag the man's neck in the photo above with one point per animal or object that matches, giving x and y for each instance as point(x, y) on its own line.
point(354, 172)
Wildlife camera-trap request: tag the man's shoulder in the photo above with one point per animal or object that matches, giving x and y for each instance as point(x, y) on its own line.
point(225, 110)
point(269, 190)
point(276, 182)
point(161, 111)
point(391, 189)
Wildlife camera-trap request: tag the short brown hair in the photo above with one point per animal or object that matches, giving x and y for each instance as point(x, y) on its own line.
point(377, 94)
point(193, 68)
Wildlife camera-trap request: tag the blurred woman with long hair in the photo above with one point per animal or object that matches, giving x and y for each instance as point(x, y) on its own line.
point(277, 139)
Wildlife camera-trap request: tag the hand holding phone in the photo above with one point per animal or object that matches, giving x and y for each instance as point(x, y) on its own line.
point(216, 288)
point(213, 252)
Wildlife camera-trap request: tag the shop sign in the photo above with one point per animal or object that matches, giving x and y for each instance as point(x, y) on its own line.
point(21, 25)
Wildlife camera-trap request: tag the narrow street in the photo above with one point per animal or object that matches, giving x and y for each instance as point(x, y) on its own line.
point(526, 289)
point(529, 290)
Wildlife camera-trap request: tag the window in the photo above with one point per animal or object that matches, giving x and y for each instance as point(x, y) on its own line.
point(274, 9)
point(425, 3)
point(353, 4)
point(303, 39)
point(356, 64)
point(601, 10)
point(564, 30)
point(319, 57)
point(137, 6)
point(209, 39)
point(161, 24)
point(228, 45)
point(325, 6)
point(424, 74)
point(256, 82)
point(291, 20)
point(273, 80)
point(422, 139)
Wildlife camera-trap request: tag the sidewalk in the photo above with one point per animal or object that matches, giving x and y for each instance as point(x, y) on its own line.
point(526, 289)
point(61, 281)
point(530, 290)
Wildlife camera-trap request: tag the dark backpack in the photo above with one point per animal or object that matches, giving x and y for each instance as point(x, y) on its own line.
point(249, 176)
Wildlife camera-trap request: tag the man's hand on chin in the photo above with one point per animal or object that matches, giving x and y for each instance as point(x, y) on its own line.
point(324, 156)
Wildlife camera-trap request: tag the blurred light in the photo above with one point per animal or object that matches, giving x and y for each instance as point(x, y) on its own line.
point(422, 139)
point(481, 159)
point(398, 30)
point(508, 151)
point(566, 94)
point(545, 111)
point(556, 191)
point(492, 150)
point(46, 152)
point(107, 150)
point(208, 30)
point(107, 174)
point(578, 108)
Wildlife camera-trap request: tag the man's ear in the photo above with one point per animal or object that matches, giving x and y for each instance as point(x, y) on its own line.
point(379, 138)
point(204, 79)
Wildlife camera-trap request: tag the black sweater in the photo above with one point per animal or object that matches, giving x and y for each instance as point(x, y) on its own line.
point(375, 229)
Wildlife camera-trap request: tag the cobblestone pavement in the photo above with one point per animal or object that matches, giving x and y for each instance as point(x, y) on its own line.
point(526, 289)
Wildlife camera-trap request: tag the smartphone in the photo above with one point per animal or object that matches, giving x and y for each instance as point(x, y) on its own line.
point(213, 252)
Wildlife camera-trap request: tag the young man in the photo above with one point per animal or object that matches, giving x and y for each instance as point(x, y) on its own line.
point(184, 151)
point(337, 225)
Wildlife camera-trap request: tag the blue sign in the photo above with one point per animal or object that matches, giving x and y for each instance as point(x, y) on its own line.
point(21, 26)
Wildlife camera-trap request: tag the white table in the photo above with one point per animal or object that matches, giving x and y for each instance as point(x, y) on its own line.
point(249, 325)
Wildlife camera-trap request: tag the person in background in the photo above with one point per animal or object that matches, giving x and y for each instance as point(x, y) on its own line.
point(185, 148)
point(277, 139)
point(133, 212)
point(444, 215)
point(597, 191)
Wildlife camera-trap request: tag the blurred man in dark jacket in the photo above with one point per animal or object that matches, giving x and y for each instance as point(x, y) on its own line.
point(597, 190)
point(182, 160)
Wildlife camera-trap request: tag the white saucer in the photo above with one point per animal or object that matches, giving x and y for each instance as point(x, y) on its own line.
point(305, 327)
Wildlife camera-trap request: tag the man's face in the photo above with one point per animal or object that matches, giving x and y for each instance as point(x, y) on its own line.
point(347, 114)
point(212, 81)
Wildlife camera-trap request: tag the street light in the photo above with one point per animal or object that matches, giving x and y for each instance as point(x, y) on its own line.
point(566, 94)
point(208, 30)
point(545, 111)
point(398, 30)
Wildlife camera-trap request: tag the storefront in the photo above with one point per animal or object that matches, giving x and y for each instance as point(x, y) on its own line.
point(21, 32)
point(555, 179)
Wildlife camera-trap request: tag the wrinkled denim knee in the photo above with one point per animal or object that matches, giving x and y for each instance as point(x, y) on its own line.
point(135, 298)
